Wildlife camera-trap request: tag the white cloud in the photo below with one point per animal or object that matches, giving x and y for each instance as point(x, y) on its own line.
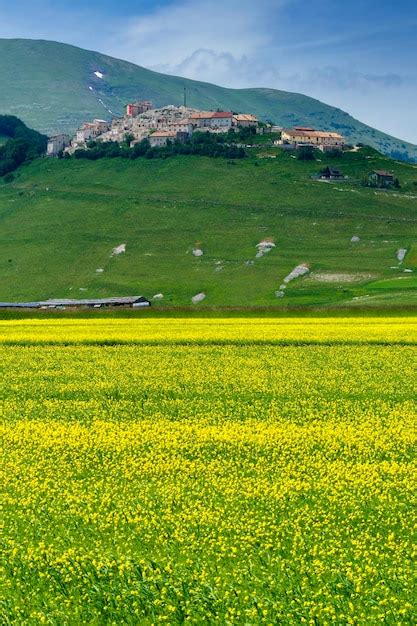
point(182, 33)
point(223, 68)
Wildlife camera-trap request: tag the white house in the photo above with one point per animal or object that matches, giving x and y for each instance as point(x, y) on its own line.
point(222, 120)
point(181, 126)
point(201, 119)
point(212, 120)
point(160, 138)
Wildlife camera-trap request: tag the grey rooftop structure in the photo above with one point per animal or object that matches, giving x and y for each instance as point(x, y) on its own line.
point(132, 301)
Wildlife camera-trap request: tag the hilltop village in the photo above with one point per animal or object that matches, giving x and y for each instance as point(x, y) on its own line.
point(168, 124)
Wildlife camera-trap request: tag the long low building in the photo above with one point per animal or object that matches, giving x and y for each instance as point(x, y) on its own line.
point(95, 303)
point(19, 305)
point(301, 136)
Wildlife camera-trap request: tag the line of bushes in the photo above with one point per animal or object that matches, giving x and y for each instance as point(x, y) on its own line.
point(200, 144)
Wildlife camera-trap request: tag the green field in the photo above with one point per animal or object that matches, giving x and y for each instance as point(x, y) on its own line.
point(60, 221)
point(204, 475)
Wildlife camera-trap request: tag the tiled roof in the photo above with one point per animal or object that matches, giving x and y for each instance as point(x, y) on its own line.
point(222, 114)
point(163, 133)
point(319, 134)
point(383, 173)
point(202, 115)
point(92, 301)
point(245, 117)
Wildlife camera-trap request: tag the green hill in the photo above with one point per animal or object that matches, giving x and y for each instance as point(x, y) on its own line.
point(53, 87)
point(61, 219)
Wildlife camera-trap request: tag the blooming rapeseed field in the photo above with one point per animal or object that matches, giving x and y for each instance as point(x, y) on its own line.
point(202, 331)
point(210, 478)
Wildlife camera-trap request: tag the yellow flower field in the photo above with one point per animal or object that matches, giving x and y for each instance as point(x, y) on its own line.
point(209, 478)
point(200, 330)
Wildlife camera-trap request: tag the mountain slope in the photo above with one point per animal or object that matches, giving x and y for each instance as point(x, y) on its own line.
point(53, 87)
point(61, 219)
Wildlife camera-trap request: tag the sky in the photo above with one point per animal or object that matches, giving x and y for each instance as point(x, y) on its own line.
point(358, 55)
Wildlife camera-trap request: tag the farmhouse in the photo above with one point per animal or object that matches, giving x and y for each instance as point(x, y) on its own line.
point(330, 173)
point(381, 178)
point(56, 144)
point(303, 136)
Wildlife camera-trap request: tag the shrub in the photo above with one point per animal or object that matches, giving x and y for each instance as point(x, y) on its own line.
point(305, 153)
point(8, 178)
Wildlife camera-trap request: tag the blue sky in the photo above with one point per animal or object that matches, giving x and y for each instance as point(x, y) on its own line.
point(360, 55)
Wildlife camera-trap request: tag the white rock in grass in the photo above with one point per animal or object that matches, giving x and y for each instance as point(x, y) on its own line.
point(99, 270)
point(355, 239)
point(407, 271)
point(197, 252)
point(298, 271)
point(264, 247)
point(119, 249)
point(198, 298)
point(158, 296)
point(280, 294)
point(401, 254)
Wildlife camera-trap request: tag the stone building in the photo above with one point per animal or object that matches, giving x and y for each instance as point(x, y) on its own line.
point(56, 144)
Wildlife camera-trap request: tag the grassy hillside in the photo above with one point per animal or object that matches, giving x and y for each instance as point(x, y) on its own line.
point(56, 88)
point(60, 221)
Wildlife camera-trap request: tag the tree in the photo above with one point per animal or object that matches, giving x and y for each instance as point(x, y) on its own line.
point(24, 144)
point(305, 153)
